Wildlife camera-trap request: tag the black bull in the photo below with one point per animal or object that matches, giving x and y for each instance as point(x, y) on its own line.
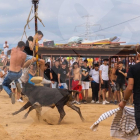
point(43, 96)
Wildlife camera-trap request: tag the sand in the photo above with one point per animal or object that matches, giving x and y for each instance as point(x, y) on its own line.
point(71, 128)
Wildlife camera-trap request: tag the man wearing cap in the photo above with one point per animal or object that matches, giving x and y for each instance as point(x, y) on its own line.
point(16, 63)
point(62, 74)
point(104, 78)
point(120, 82)
point(6, 47)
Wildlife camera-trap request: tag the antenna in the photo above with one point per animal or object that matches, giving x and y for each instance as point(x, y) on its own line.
point(87, 26)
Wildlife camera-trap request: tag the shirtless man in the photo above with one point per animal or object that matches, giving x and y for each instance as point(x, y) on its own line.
point(76, 82)
point(113, 83)
point(16, 63)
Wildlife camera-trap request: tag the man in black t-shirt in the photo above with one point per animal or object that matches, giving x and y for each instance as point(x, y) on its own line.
point(54, 74)
point(133, 87)
point(85, 80)
point(62, 74)
point(30, 45)
point(120, 82)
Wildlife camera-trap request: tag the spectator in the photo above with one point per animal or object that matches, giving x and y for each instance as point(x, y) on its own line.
point(95, 83)
point(120, 82)
point(3, 73)
point(72, 61)
point(4, 58)
point(47, 73)
point(6, 47)
point(85, 80)
point(13, 87)
point(62, 74)
point(54, 74)
point(104, 69)
point(32, 73)
point(113, 83)
point(76, 82)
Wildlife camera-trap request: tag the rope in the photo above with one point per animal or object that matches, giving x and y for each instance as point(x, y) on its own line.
point(24, 32)
point(29, 20)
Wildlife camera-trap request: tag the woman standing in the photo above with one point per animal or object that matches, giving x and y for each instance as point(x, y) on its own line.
point(95, 83)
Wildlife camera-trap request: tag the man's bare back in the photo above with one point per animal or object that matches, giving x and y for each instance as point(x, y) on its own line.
point(17, 60)
point(77, 74)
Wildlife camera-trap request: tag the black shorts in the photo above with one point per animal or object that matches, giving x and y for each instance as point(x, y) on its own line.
point(104, 85)
point(137, 115)
point(1, 87)
point(120, 87)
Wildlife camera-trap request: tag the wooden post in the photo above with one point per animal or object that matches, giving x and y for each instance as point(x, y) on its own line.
point(69, 74)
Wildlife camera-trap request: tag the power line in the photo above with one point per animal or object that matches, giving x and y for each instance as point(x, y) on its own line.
point(111, 26)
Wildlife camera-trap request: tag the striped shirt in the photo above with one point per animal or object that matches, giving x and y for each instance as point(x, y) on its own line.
point(123, 125)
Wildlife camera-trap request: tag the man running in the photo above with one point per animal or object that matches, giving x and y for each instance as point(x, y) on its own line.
point(16, 63)
point(133, 87)
point(30, 44)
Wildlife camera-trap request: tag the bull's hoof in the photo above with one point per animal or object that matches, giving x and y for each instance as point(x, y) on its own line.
point(14, 113)
point(83, 120)
point(47, 122)
point(25, 116)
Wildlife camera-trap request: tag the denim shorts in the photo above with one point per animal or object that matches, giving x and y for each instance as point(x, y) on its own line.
point(29, 57)
point(120, 87)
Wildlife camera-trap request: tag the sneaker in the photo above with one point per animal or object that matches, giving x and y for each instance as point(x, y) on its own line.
point(77, 103)
point(92, 101)
point(106, 102)
point(111, 102)
point(97, 102)
point(85, 102)
point(20, 100)
point(115, 102)
point(82, 101)
point(73, 102)
point(13, 98)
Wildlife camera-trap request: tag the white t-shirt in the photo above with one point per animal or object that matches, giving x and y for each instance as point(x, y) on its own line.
point(5, 49)
point(95, 75)
point(1, 79)
point(104, 69)
point(71, 62)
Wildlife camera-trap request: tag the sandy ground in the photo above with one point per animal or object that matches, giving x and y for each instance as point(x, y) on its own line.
point(71, 128)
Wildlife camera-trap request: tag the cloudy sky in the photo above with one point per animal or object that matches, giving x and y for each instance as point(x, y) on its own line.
point(62, 16)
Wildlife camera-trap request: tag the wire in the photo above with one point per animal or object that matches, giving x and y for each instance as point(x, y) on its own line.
point(111, 26)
